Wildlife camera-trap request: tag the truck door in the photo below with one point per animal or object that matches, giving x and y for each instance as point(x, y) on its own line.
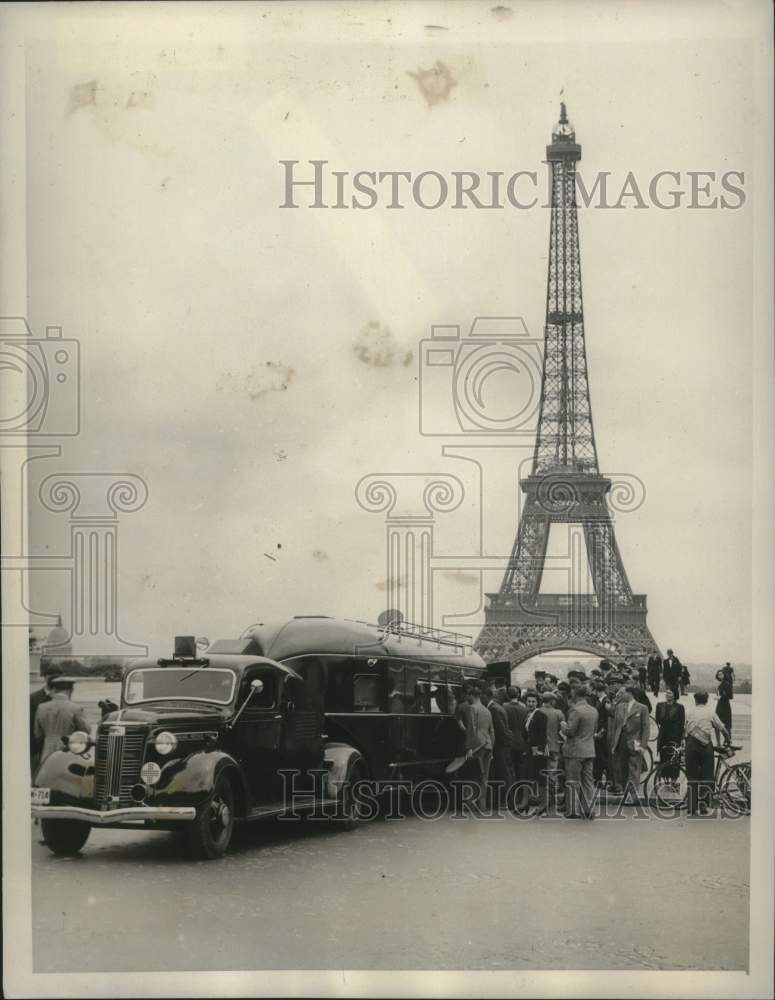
point(302, 734)
point(258, 734)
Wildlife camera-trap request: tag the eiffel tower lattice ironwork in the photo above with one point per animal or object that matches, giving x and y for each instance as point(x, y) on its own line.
point(565, 485)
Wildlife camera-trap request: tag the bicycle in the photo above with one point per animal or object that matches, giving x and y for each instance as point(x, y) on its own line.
point(668, 785)
point(733, 781)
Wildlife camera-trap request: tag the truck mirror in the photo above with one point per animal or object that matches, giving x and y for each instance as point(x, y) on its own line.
point(256, 687)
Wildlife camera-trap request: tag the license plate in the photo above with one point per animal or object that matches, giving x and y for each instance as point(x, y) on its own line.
point(40, 796)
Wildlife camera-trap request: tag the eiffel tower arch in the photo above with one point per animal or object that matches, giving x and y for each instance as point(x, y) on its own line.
point(565, 485)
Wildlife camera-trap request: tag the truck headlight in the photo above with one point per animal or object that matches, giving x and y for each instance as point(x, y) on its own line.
point(78, 742)
point(165, 743)
point(150, 773)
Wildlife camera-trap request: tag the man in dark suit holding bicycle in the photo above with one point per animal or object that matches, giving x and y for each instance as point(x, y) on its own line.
point(670, 717)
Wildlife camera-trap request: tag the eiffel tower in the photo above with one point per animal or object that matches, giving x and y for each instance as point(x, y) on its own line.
point(565, 485)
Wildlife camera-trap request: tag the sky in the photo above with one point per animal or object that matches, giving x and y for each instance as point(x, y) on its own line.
point(253, 363)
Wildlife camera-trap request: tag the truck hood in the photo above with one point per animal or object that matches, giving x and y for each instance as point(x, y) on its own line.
point(169, 713)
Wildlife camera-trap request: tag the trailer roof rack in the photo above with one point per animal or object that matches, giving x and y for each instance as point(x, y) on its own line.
point(412, 630)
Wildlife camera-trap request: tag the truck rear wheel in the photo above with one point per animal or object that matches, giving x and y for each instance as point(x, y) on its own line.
point(209, 835)
point(64, 836)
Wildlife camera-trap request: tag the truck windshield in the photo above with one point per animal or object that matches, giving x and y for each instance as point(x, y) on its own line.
point(174, 683)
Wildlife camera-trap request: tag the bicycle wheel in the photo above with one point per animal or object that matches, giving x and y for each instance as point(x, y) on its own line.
point(735, 789)
point(667, 785)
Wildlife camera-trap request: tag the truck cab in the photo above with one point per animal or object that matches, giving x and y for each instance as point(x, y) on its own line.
point(198, 743)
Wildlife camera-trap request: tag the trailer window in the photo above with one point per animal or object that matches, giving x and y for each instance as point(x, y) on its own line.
point(443, 700)
point(366, 693)
point(339, 685)
point(418, 688)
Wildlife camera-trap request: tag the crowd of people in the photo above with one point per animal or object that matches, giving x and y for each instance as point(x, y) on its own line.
point(563, 739)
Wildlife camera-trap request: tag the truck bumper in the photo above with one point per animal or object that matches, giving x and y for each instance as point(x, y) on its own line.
point(98, 817)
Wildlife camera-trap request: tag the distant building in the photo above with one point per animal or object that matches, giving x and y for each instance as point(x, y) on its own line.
point(50, 643)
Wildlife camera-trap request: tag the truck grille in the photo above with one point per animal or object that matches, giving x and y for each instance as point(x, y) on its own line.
point(118, 759)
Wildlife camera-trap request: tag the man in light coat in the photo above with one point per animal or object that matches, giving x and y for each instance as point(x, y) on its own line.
point(630, 734)
point(579, 753)
point(58, 717)
point(37, 699)
point(481, 740)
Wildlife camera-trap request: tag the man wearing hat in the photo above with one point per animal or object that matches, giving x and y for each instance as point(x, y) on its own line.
point(630, 735)
point(37, 698)
point(58, 717)
point(616, 695)
point(579, 753)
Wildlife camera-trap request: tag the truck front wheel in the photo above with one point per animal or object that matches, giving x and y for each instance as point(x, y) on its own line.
point(64, 836)
point(209, 835)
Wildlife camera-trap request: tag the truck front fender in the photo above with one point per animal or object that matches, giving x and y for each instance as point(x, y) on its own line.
point(70, 777)
point(190, 780)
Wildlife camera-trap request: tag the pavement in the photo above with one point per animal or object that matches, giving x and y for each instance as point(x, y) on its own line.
point(629, 893)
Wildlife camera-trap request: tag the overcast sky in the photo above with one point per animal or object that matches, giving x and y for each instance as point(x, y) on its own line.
point(226, 342)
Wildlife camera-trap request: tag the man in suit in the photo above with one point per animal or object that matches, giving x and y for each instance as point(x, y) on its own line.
point(38, 698)
point(601, 703)
point(516, 713)
point(654, 672)
point(579, 754)
point(481, 739)
point(672, 670)
point(615, 686)
point(561, 693)
point(535, 727)
point(630, 735)
point(503, 745)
